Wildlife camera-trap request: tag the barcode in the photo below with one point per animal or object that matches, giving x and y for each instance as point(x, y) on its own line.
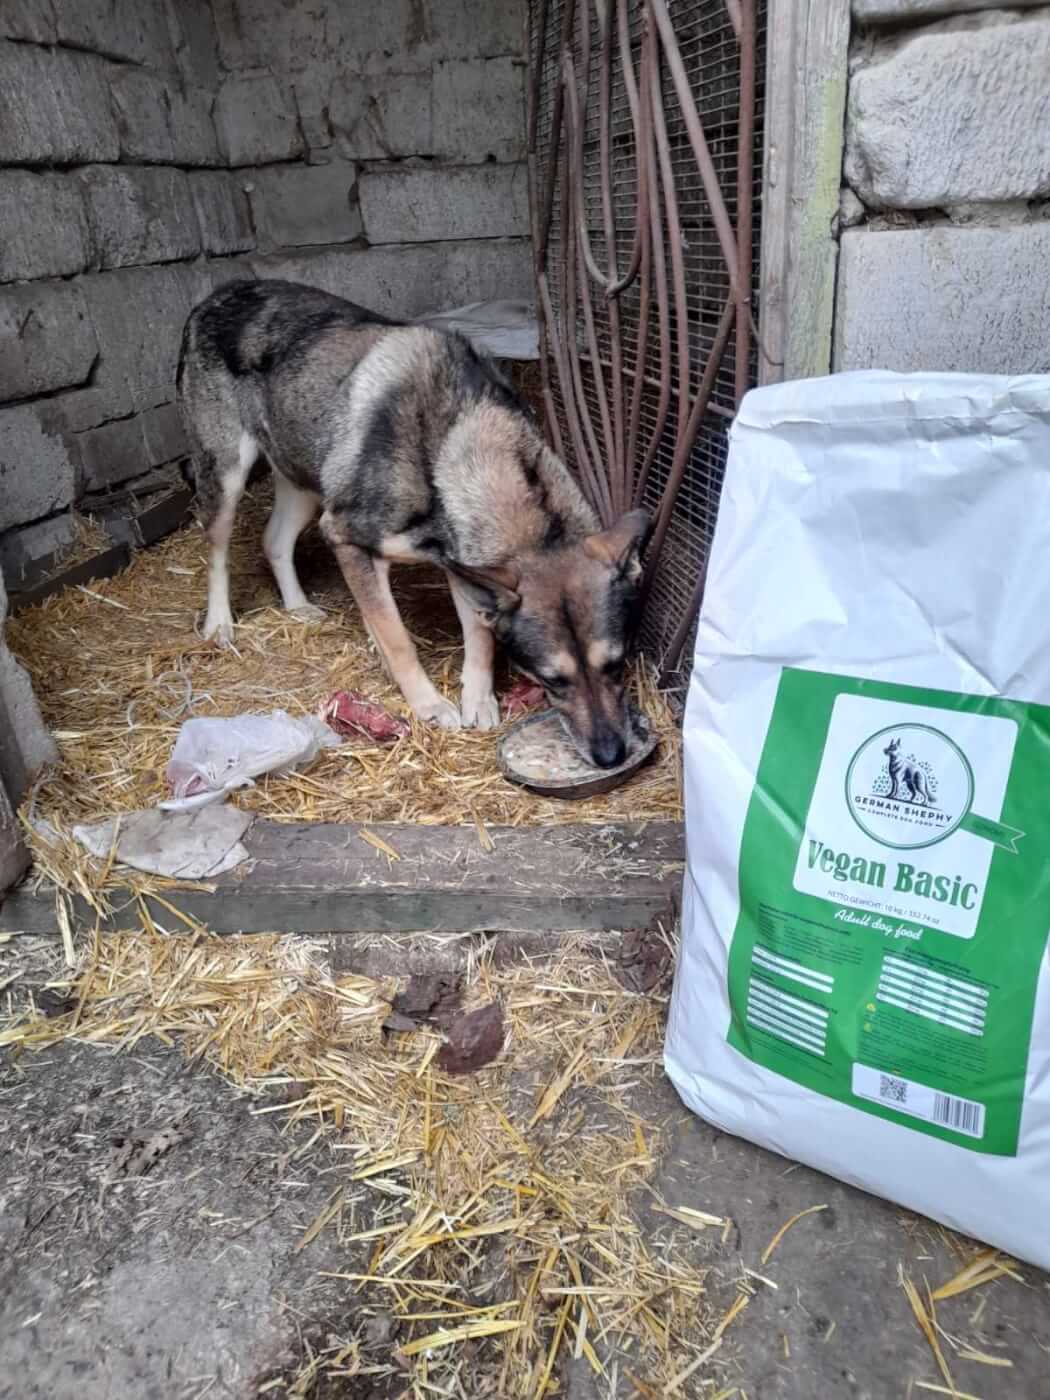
point(963, 1115)
point(895, 1090)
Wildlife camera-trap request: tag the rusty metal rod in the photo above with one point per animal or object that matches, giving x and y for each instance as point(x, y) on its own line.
point(556, 122)
point(618, 462)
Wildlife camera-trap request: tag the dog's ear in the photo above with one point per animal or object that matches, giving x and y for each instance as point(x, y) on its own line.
point(621, 545)
point(493, 591)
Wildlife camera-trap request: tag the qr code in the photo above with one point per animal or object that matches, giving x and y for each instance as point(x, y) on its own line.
point(895, 1090)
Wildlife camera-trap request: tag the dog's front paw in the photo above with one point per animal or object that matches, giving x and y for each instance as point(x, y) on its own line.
point(307, 612)
point(441, 712)
point(218, 629)
point(480, 711)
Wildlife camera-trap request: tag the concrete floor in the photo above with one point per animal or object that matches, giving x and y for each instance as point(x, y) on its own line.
point(189, 1282)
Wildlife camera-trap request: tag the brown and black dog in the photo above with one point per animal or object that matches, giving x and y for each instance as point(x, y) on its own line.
point(414, 450)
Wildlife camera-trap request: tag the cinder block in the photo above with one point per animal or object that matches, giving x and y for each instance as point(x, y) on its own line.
point(376, 118)
point(112, 454)
point(300, 35)
point(135, 30)
point(946, 298)
point(429, 205)
point(312, 103)
point(297, 206)
point(477, 31)
point(911, 11)
point(163, 121)
point(45, 230)
point(222, 211)
point(479, 109)
point(47, 341)
point(30, 20)
point(139, 214)
point(164, 434)
point(409, 280)
point(256, 121)
point(54, 107)
point(37, 465)
point(31, 552)
point(195, 41)
point(138, 315)
point(953, 113)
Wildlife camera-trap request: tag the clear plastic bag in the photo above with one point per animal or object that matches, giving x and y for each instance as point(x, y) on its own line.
point(212, 757)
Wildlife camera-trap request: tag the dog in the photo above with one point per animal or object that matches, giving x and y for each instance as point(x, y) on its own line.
point(413, 449)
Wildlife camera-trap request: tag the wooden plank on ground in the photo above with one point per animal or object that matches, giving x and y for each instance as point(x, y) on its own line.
point(327, 877)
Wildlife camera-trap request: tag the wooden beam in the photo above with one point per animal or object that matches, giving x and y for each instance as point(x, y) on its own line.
point(806, 76)
point(325, 878)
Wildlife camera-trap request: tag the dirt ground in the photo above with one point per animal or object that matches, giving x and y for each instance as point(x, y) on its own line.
point(199, 1278)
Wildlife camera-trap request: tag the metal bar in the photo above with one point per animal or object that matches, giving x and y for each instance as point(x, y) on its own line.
point(695, 131)
point(556, 121)
point(617, 462)
point(643, 142)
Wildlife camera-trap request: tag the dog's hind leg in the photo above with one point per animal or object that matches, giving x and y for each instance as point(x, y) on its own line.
point(220, 484)
point(368, 579)
point(292, 511)
point(478, 704)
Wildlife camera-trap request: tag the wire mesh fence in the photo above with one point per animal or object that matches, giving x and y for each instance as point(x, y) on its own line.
point(645, 140)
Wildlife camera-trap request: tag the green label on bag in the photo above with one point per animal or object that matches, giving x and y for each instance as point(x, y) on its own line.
point(895, 902)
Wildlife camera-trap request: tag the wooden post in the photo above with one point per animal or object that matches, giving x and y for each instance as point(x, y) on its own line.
point(806, 77)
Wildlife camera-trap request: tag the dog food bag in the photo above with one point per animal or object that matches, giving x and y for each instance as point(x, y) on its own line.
point(864, 983)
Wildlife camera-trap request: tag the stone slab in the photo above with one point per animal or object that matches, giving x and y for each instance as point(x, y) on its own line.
point(919, 11)
point(302, 35)
point(945, 298)
point(406, 280)
point(54, 107)
point(37, 465)
point(135, 30)
point(30, 20)
point(376, 118)
point(195, 42)
point(45, 226)
point(139, 214)
point(953, 113)
point(444, 203)
point(322, 877)
point(112, 453)
point(479, 109)
point(295, 206)
point(256, 121)
point(163, 120)
point(223, 211)
point(47, 341)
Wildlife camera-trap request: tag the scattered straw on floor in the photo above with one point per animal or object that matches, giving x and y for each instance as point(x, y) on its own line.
point(495, 1208)
point(114, 664)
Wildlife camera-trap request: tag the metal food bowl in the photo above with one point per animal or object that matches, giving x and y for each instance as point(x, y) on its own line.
point(537, 754)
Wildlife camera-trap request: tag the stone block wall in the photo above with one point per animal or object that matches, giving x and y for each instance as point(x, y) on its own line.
point(152, 149)
point(945, 217)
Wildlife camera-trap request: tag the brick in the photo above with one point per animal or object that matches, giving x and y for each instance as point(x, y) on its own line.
point(28, 554)
point(164, 434)
point(163, 121)
point(479, 109)
point(912, 11)
point(54, 107)
point(47, 341)
point(947, 298)
point(45, 228)
point(376, 118)
point(139, 214)
point(222, 211)
point(295, 206)
point(957, 112)
point(37, 465)
point(138, 315)
point(112, 453)
point(256, 121)
point(477, 31)
point(425, 205)
point(30, 20)
point(135, 30)
point(410, 280)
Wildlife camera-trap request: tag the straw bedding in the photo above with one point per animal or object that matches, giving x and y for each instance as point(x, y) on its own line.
point(496, 1208)
point(119, 664)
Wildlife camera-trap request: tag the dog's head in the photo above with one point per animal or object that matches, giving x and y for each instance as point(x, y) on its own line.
point(567, 618)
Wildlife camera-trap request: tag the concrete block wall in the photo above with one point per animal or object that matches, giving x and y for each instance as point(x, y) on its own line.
point(945, 216)
point(152, 149)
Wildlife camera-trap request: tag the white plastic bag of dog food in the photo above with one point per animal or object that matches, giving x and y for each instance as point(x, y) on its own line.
point(864, 981)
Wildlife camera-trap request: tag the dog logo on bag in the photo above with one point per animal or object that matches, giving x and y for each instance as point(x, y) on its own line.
point(909, 786)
